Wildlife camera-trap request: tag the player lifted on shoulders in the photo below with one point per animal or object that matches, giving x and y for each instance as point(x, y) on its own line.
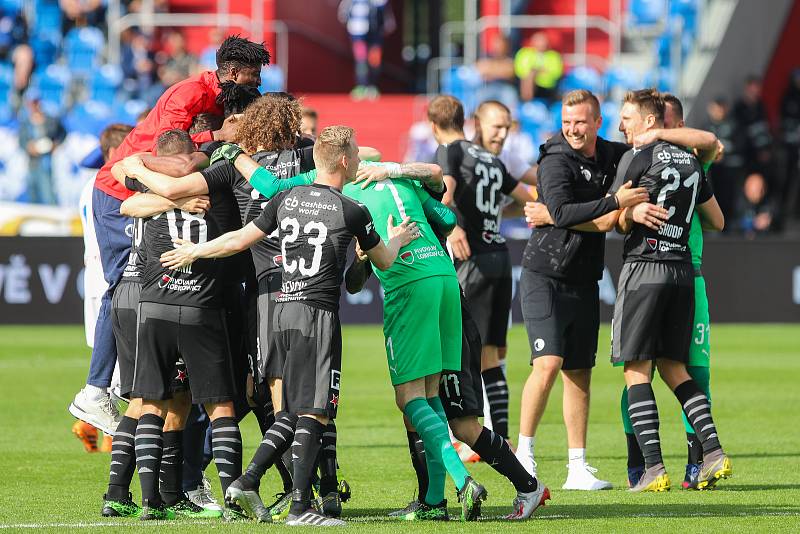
point(315, 224)
point(654, 311)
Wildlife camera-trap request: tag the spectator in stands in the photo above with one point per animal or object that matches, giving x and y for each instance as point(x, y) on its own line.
point(790, 128)
point(308, 123)
point(539, 68)
point(728, 172)
point(176, 63)
point(39, 135)
point(756, 212)
point(14, 46)
point(751, 116)
point(138, 64)
point(80, 13)
point(368, 22)
point(497, 72)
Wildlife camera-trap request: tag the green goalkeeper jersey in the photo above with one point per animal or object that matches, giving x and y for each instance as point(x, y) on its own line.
point(423, 257)
point(696, 233)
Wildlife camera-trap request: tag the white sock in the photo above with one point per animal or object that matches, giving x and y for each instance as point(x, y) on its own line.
point(525, 444)
point(577, 457)
point(94, 392)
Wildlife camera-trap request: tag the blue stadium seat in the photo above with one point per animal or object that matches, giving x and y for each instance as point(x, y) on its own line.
point(647, 12)
point(534, 117)
point(48, 16)
point(620, 79)
point(127, 112)
point(272, 80)
point(555, 116)
point(45, 46)
point(610, 113)
point(105, 82)
point(52, 84)
point(90, 117)
point(687, 10)
point(582, 78)
point(6, 83)
point(11, 5)
point(83, 48)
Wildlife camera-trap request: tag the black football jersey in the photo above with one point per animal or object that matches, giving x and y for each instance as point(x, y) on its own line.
point(481, 181)
point(136, 259)
point(675, 180)
point(283, 164)
point(315, 225)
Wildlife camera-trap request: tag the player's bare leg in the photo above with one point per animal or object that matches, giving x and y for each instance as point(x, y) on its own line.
point(537, 389)
point(576, 418)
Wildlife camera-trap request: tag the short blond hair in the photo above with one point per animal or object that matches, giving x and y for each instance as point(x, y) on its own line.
point(332, 143)
point(582, 96)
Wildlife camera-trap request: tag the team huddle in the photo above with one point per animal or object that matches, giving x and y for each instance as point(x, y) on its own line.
point(227, 295)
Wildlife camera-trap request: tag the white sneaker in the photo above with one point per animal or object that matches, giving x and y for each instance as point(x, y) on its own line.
point(581, 477)
point(526, 459)
point(203, 497)
point(526, 503)
point(98, 412)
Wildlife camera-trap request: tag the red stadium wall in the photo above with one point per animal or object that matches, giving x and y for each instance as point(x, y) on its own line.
point(784, 61)
point(381, 123)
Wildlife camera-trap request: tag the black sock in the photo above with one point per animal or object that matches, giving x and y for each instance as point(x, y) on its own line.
point(416, 447)
point(226, 446)
point(698, 411)
point(694, 449)
point(285, 468)
point(644, 418)
point(497, 392)
point(264, 416)
point(494, 450)
point(305, 448)
point(328, 482)
point(123, 460)
point(171, 473)
point(635, 458)
point(149, 448)
point(277, 439)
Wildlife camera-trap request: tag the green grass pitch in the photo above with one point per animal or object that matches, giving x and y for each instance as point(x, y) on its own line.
point(48, 483)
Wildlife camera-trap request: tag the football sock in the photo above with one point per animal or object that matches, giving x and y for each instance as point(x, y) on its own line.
point(276, 441)
point(327, 461)
point(226, 446)
point(425, 421)
point(171, 473)
point(149, 447)
point(305, 450)
point(702, 377)
point(576, 457)
point(635, 457)
point(417, 449)
point(264, 416)
point(526, 443)
point(452, 463)
point(626, 417)
point(698, 411)
point(123, 459)
point(497, 392)
point(494, 450)
point(644, 416)
point(285, 467)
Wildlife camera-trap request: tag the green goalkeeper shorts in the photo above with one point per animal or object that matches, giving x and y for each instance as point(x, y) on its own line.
point(422, 328)
point(700, 350)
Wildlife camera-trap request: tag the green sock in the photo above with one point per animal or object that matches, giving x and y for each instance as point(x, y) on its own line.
point(626, 418)
point(702, 376)
point(452, 463)
point(419, 412)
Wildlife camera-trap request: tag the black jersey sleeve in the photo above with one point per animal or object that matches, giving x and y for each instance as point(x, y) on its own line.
point(135, 185)
point(221, 175)
point(448, 157)
point(267, 221)
point(358, 220)
point(306, 155)
point(632, 166)
point(706, 190)
point(556, 189)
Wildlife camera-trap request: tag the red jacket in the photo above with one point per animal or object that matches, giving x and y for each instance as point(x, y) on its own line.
point(175, 109)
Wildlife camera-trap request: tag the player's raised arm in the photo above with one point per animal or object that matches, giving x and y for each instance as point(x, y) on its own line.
point(149, 204)
point(262, 180)
point(428, 174)
point(705, 144)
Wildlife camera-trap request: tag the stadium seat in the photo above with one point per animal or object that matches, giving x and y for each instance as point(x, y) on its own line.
point(105, 82)
point(621, 79)
point(272, 80)
point(48, 17)
point(45, 46)
point(52, 84)
point(90, 117)
point(83, 48)
point(609, 110)
point(128, 111)
point(11, 5)
point(687, 10)
point(534, 117)
point(555, 116)
point(6, 82)
point(582, 78)
point(647, 12)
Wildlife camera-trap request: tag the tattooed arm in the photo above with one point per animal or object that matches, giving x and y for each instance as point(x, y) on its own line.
point(429, 174)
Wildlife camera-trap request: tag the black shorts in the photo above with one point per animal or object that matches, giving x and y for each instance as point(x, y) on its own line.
point(199, 336)
point(654, 312)
point(310, 341)
point(486, 281)
point(270, 360)
point(461, 392)
point(561, 319)
point(124, 307)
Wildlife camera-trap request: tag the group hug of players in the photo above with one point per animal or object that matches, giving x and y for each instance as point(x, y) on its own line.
point(230, 296)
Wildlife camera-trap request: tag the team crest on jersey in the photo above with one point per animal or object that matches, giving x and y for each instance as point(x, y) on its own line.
point(129, 230)
point(664, 156)
point(407, 257)
point(165, 281)
point(586, 174)
point(277, 260)
point(653, 243)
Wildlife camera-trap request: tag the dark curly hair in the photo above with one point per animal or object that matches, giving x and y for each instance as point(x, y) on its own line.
point(235, 97)
point(270, 123)
point(236, 51)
